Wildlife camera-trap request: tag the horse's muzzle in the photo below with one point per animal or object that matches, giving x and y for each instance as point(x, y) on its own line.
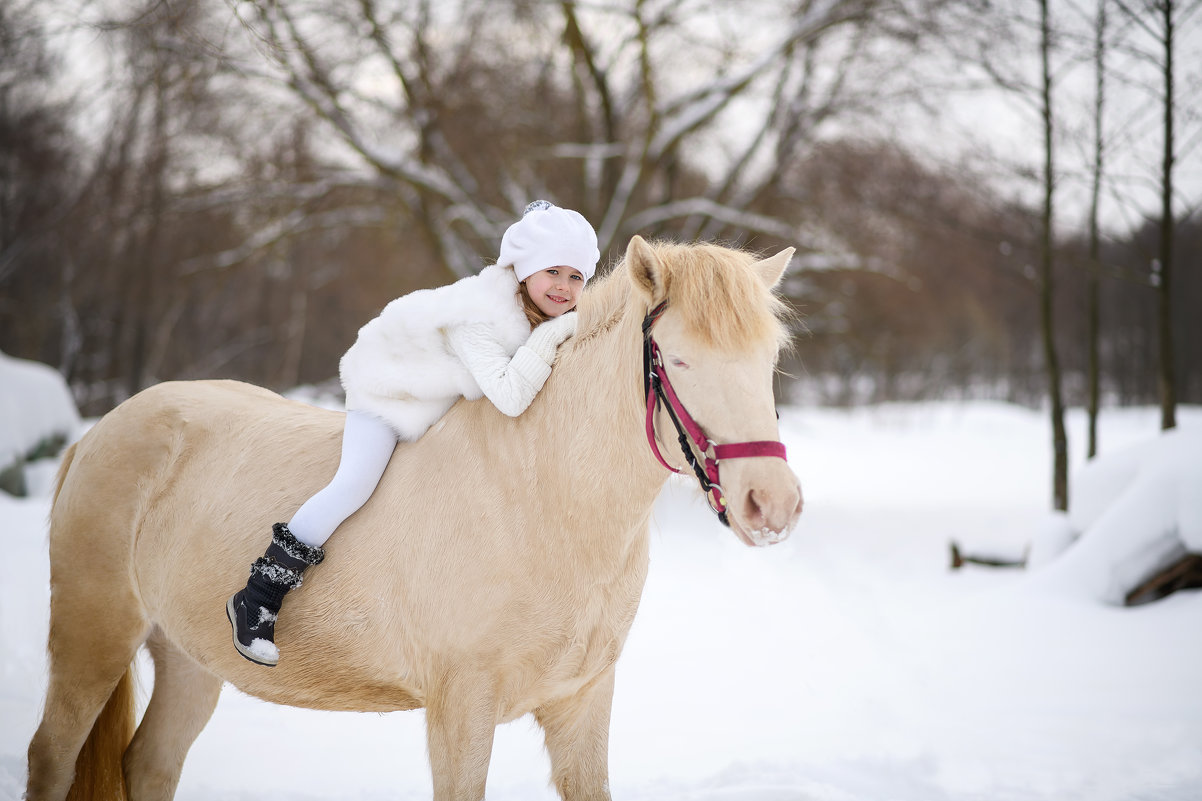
point(766, 513)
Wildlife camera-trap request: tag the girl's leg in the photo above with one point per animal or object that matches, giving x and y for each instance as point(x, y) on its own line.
point(367, 445)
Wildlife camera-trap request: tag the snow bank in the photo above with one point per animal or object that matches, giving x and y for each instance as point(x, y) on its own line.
point(35, 406)
point(1132, 512)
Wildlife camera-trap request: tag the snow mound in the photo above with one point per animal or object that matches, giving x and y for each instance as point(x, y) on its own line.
point(35, 406)
point(1133, 512)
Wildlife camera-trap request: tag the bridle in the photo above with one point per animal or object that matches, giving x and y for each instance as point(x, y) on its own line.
point(658, 389)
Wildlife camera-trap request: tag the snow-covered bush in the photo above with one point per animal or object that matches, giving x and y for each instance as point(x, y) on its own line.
point(37, 417)
point(1132, 513)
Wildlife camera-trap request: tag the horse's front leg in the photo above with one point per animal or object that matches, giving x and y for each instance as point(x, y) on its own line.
point(577, 737)
point(461, 720)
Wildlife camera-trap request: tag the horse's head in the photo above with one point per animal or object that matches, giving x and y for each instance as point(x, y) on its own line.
point(717, 339)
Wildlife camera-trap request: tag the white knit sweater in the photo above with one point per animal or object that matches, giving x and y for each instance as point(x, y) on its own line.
point(428, 348)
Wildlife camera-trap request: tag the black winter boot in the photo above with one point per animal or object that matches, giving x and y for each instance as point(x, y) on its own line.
point(253, 610)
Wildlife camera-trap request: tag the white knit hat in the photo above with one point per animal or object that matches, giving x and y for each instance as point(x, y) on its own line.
point(548, 236)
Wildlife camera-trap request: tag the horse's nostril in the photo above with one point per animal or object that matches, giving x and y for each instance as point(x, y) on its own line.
point(754, 511)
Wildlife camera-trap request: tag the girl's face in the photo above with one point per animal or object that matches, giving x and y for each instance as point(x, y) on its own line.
point(555, 290)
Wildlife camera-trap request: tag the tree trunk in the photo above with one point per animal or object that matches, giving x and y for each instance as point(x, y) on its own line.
point(1167, 378)
point(1047, 289)
point(1092, 313)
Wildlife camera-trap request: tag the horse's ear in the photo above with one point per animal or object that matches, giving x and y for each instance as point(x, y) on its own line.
point(772, 268)
point(645, 269)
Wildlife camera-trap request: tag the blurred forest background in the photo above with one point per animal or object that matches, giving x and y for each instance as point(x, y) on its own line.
point(983, 193)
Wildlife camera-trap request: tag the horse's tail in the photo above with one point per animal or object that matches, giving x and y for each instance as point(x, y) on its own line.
point(98, 772)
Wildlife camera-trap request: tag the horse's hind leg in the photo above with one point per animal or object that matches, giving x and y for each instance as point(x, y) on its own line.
point(92, 643)
point(183, 700)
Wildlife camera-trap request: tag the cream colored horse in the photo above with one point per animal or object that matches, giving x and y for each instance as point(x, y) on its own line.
point(494, 573)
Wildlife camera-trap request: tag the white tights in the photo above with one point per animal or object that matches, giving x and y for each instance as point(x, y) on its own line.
point(367, 445)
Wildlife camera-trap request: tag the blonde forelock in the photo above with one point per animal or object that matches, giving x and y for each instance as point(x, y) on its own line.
point(722, 301)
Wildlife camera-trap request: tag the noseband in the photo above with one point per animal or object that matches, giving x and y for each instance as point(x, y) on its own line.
point(658, 389)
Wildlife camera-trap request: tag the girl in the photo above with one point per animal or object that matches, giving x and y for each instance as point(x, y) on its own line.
point(409, 366)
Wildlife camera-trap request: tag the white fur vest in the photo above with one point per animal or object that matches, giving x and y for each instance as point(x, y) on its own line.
point(403, 369)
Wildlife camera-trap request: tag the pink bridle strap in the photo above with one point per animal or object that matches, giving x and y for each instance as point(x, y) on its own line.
point(743, 450)
point(651, 432)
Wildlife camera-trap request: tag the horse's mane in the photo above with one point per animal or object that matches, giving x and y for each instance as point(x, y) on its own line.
point(603, 303)
point(720, 298)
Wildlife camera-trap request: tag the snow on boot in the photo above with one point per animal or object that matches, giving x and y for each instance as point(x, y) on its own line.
point(253, 610)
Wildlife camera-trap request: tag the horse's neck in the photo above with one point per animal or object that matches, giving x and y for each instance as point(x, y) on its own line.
point(593, 417)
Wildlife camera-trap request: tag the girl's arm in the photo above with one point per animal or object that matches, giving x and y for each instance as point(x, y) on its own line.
point(511, 383)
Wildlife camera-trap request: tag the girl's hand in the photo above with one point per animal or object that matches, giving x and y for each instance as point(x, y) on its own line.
point(545, 339)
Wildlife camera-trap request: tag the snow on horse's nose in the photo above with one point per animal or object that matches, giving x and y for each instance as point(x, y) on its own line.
point(767, 512)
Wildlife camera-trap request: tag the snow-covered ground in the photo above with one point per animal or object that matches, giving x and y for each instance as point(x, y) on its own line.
point(847, 664)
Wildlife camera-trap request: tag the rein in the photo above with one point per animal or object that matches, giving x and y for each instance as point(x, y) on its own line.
point(658, 389)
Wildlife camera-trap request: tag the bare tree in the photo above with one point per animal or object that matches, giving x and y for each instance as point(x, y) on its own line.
point(1097, 170)
point(605, 107)
point(1047, 291)
point(39, 165)
point(1005, 35)
point(1160, 21)
point(1164, 291)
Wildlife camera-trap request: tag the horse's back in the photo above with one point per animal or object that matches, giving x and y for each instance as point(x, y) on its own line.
point(134, 456)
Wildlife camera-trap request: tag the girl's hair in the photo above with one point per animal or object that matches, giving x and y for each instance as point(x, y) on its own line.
point(533, 313)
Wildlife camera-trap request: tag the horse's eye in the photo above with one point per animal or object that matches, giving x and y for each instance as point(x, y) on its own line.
point(678, 363)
